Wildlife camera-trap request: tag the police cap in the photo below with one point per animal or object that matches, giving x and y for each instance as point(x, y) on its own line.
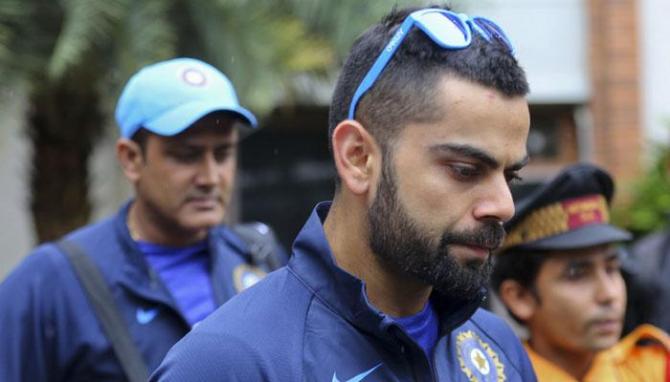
point(568, 212)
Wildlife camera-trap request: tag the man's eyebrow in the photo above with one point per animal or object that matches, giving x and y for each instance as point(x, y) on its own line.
point(582, 263)
point(477, 154)
point(613, 255)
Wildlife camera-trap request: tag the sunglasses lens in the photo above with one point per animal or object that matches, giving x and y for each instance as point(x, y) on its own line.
point(446, 30)
point(493, 30)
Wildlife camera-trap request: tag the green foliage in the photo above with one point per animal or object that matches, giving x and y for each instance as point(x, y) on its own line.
point(649, 207)
point(86, 24)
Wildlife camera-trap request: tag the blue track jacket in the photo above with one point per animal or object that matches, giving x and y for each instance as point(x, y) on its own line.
point(48, 330)
point(310, 321)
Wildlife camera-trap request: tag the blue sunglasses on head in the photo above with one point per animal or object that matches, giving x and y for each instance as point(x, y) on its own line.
point(447, 29)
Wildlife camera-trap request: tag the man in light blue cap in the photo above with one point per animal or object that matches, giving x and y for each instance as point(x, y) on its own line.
point(109, 300)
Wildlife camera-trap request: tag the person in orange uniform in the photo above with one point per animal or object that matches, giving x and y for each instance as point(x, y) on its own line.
point(558, 274)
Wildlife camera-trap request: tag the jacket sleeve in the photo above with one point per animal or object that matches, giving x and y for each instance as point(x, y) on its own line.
point(507, 340)
point(28, 328)
point(201, 357)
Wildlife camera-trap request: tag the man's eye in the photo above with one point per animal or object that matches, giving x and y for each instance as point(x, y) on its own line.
point(614, 267)
point(465, 172)
point(513, 177)
point(221, 155)
point(575, 273)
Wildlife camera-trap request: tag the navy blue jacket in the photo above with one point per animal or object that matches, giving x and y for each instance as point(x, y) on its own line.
point(310, 321)
point(48, 330)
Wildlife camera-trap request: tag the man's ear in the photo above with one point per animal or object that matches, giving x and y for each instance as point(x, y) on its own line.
point(520, 301)
point(356, 155)
point(131, 158)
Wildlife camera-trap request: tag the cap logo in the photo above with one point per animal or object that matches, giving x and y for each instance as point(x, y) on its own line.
point(557, 218)
point(193, 77)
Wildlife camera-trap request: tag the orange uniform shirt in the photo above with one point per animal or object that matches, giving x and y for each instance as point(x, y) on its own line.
point(643, 355)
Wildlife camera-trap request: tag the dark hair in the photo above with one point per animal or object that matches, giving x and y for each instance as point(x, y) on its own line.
point(140, 137)
point(521, 266)
point(405, 90)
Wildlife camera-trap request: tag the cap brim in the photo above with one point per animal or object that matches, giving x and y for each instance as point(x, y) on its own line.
point(587, 236)
point(179, 119)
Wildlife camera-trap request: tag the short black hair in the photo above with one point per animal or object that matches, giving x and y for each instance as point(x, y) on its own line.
point(405, 90)
point(518, 265)
point(140, 137)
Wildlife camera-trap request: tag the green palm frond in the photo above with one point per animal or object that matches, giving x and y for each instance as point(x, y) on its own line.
point(297, 50)
point(87, 24)
point(260, 47)
point(12, 14)
point(342, 21)
point(146, 35)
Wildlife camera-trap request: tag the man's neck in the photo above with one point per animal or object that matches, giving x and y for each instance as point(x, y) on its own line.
point(389, 291)
point(145, 226)
point(577, 364)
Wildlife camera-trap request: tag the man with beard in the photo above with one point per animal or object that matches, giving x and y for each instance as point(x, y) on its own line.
point(428, 125)
point(108, 301)
point(559, 275)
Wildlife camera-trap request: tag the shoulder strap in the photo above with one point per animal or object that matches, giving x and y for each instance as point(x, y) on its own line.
point(260, 240)
point(107, 312)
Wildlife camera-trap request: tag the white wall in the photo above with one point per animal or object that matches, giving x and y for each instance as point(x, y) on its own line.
point(655, 68)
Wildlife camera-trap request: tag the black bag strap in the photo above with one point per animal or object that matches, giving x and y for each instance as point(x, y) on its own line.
point(262, 244)
point(107, 312)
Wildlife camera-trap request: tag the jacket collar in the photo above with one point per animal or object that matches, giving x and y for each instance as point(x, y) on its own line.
point(314, 264)
point(140, 279)
point(136, 275)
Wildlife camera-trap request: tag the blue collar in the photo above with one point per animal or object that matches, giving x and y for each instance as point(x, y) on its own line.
point(313, 263)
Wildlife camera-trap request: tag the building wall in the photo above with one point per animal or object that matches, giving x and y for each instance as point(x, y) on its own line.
point(615, 75)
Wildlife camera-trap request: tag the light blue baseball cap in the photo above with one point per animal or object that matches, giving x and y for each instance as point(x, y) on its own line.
point(169, 96)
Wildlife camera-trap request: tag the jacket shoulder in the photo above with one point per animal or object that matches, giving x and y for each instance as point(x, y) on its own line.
point(42, 266)
point(256, 335)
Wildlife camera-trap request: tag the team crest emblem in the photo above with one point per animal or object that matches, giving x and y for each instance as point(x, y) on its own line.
point(245, 276)
point(477, 359)
point(193, 77)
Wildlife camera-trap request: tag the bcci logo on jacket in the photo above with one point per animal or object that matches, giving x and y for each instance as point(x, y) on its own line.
point(477, 359)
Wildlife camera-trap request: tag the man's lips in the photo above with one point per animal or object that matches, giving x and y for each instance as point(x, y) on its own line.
point(607, 325)
point(204, 201)
point(475, 251)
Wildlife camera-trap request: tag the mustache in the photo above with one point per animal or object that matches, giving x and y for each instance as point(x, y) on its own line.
point(490, 235)
point(200, 193)
point(611, 315)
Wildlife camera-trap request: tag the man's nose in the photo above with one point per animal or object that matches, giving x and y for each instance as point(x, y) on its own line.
point(609, 286)
point(497, 203)
point(208, 171)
